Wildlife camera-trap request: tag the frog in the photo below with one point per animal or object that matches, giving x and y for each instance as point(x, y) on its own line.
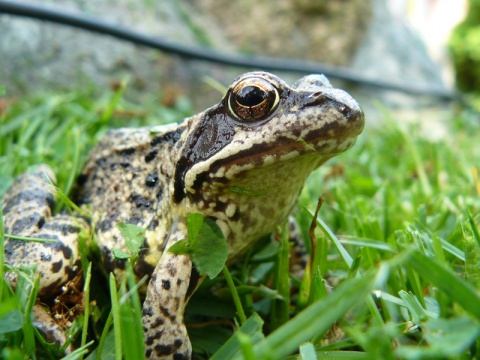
point(241, 163)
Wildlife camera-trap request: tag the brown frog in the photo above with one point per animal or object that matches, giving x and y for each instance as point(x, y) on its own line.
point(241, 163)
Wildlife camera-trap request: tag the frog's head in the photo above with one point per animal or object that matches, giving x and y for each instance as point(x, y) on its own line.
point(257, 147)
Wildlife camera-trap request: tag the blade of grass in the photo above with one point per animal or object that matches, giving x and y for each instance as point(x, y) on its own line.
point(473, 226)
point(280, 306)
point(236, 298)
point(116, 318)
point(314, 319)
point(454, 287)
point(231, 349)
point(132, 329)
point(76, 157)
point(329, 233)
point(86, 314)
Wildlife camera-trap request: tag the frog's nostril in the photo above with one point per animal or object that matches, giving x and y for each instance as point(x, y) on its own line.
point(355, 118)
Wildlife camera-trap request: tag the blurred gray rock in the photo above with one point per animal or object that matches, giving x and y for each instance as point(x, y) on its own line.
point(37, 56)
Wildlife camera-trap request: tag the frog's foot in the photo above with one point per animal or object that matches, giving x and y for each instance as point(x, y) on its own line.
point(49, 328)
point(27, 208)
point(172, 283)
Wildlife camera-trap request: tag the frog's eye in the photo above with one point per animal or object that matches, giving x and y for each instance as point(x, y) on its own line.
point(252, 99)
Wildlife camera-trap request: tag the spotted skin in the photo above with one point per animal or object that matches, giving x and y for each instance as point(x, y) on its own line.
point(241, 163)
point(27, 208)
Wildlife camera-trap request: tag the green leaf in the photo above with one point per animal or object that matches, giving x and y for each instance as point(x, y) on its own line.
point(181, 247)
point(205, 244)
point(120, 254)
point(11, 320)
point(194, 224)
point(209, 251)
point(134, 236)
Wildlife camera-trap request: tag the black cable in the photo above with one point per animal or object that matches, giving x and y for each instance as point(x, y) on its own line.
point(199, 53)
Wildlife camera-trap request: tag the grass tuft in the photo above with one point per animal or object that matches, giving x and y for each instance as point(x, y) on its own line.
point(397, 248)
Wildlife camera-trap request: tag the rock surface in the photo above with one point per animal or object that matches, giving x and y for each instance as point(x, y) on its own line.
point(38, 56)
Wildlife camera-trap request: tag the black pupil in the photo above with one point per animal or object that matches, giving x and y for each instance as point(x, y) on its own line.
point(251, 96)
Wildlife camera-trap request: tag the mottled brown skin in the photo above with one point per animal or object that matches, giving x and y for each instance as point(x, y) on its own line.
point(242, 163)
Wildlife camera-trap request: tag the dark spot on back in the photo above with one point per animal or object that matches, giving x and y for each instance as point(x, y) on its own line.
point(104, 225)
point(67, 251)
point(101, 161)
point(126, 152)
point(152, 179)
point(135, 219)
point(170, 137)
point(139, 201)
point(56, 267)
point(141, 266)
point(150, 156)
point(82, 179)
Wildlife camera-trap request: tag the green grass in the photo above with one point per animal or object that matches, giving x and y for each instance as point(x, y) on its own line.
point(397, 240)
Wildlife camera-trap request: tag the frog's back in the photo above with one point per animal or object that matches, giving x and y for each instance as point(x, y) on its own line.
point(124, 181)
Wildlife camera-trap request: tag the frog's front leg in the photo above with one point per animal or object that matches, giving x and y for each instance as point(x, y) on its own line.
point(173, 282)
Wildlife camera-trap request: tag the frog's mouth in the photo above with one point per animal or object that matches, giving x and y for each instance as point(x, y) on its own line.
point(322, 143)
